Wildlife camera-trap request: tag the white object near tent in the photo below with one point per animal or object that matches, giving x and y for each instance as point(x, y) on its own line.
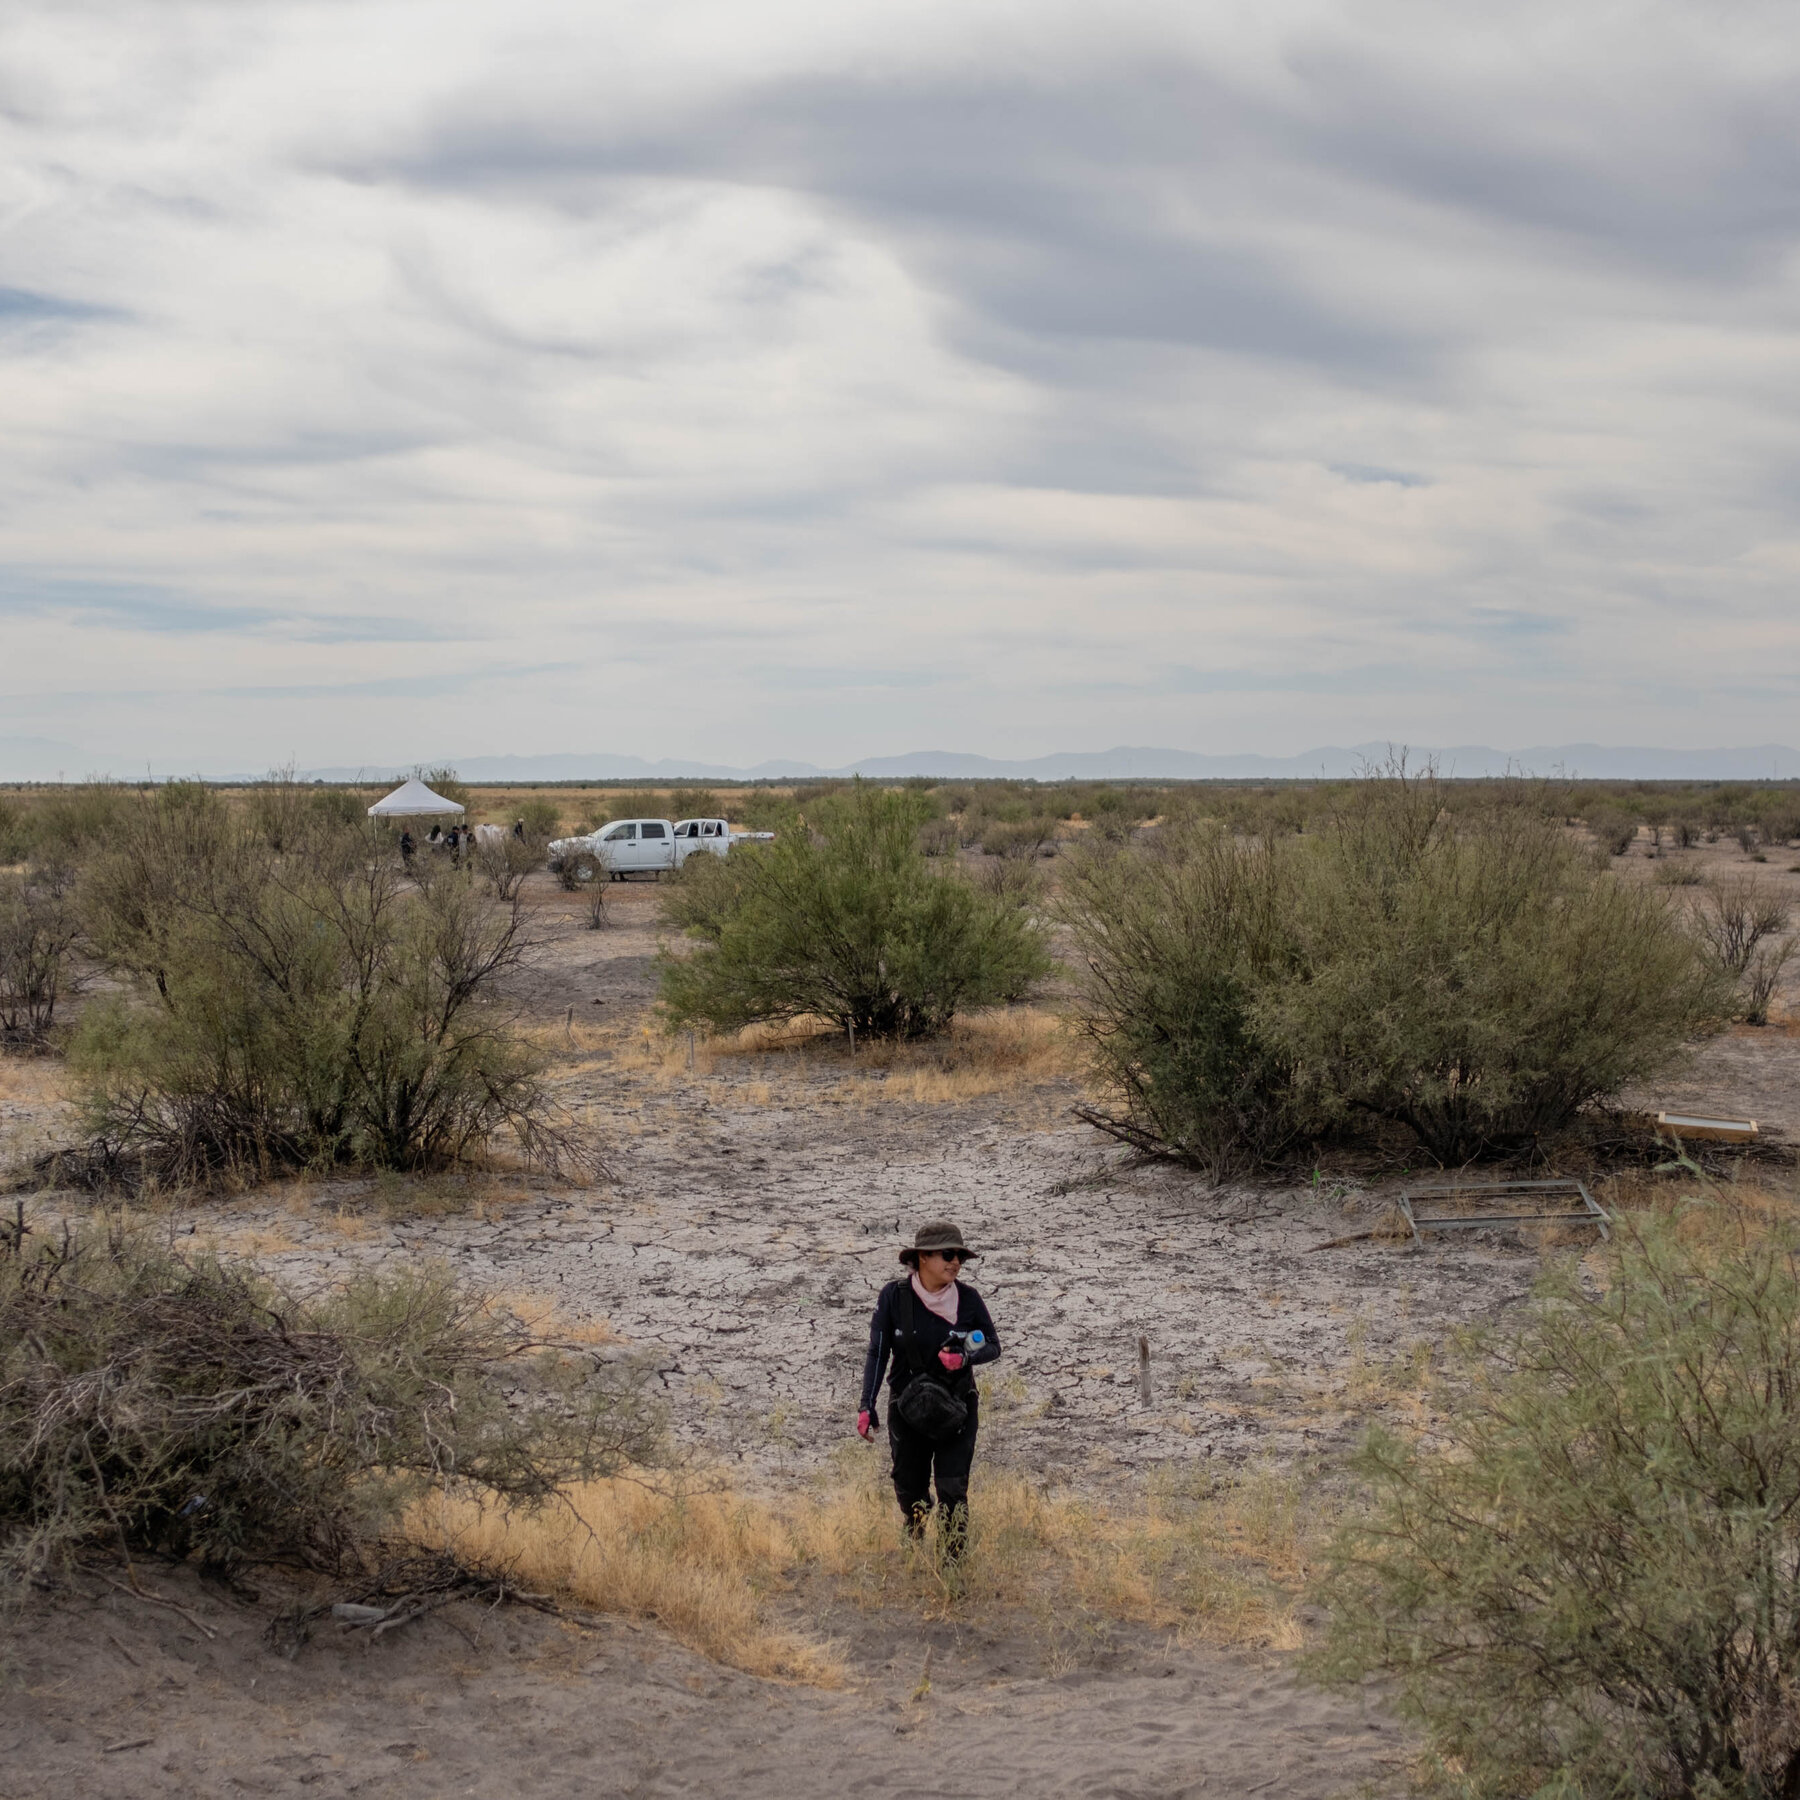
point(413, 800)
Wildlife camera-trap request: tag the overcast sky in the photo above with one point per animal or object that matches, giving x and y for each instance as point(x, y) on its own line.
point(753, 378)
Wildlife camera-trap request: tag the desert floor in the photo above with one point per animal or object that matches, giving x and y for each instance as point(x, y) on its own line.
point(752, 1208)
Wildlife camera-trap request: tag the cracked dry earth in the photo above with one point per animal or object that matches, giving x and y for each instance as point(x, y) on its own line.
point(754, 1209)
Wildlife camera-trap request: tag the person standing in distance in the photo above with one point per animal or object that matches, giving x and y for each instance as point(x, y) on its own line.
point(932, 1434)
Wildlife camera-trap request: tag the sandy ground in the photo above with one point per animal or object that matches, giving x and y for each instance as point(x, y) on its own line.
point(754, 1209)
point(124, 1700)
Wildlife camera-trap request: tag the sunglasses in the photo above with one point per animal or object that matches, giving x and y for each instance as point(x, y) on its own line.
point(955, 1256)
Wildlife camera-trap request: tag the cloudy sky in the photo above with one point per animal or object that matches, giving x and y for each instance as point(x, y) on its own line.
point(747, 378)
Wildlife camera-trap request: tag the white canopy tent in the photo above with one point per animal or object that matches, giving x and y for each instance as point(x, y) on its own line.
point(413, 800)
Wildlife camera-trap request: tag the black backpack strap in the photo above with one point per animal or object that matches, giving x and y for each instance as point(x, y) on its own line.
point(905, 1308)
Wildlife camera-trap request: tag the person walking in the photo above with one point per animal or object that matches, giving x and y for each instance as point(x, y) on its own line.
point(406, 847)
point(922, 1324)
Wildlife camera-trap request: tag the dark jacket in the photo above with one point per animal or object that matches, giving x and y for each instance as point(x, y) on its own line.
point(931, 1333)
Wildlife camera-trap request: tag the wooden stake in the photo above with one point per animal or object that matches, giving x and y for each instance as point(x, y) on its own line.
point(1143, 1369)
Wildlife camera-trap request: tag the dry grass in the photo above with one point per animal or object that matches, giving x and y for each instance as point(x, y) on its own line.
point(1218, 1564)
point(701, 1564)
point(1008, 1051)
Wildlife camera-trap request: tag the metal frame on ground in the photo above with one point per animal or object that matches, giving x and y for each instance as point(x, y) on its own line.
point(1587, 1213)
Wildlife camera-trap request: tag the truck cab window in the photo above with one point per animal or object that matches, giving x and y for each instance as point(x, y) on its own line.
point(619, 833)
point(653, 828)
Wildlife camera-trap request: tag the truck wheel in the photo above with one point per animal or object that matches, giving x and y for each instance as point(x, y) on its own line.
point(585, 867)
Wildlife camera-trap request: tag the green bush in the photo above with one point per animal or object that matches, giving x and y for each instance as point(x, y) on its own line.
point(847, 921)
point(1479, 981)
point(292, 1007)
point(1586, 1586)
point(59, 825)
point(1481, 985)
point(541, 817)
point(762, 809)
point(695, 803)
point(1179, 942)
point(1025, 839)
point(15, 840)
point(446, 783)
point(185, 1404)
point(632, 804)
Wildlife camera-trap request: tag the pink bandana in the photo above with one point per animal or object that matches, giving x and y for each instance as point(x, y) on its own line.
point(943, 1302)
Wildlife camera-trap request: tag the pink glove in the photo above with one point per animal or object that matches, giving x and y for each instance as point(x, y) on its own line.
point(862, 1424)
point(951, 1359)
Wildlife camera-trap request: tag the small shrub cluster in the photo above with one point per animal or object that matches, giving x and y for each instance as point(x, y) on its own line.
point(184, 1404)
point(39, 929)
point(1739, 923)
point(300, 1006)
point(1586, 1587)
point(1477, 979)
point(847, 921)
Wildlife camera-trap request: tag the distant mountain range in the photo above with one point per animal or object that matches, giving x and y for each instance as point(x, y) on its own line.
point(42, 759)
point(1595, 762)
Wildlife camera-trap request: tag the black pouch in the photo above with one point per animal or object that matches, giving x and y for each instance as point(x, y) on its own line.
point(927, 1406)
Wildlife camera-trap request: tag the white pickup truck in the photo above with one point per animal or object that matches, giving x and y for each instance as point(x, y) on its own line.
point(628, 846)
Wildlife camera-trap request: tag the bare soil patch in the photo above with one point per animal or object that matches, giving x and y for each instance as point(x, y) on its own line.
point(119, 1700)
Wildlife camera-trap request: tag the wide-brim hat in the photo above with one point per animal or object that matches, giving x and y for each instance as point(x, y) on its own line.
point(936, 1234)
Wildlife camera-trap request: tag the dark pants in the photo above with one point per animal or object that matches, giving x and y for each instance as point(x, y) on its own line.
point(917, 1459)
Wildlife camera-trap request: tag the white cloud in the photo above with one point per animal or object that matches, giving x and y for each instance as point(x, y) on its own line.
point(724, 382)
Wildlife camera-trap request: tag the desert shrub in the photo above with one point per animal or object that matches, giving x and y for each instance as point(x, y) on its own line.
point(166, 1403)
point(506, 860)
point(62, 824)
point(1478, 983)
point(695, 803)
point(1614, 832)
point(762, 809)
point(939, 837)
point(1738, 922)
point(634, 804)
point(1178, 944)
point(541, 817)
point(1028, 838)
point(1781, 823)
point(15, 838)
point(38, 932)
point(338, 806)
point(593, 905)
point(1763, 978)
point(1680, 874)
point(847, 921)
point(1585, 1587)
point(1736, 914)
point(445, 782)
point(306, 1006)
